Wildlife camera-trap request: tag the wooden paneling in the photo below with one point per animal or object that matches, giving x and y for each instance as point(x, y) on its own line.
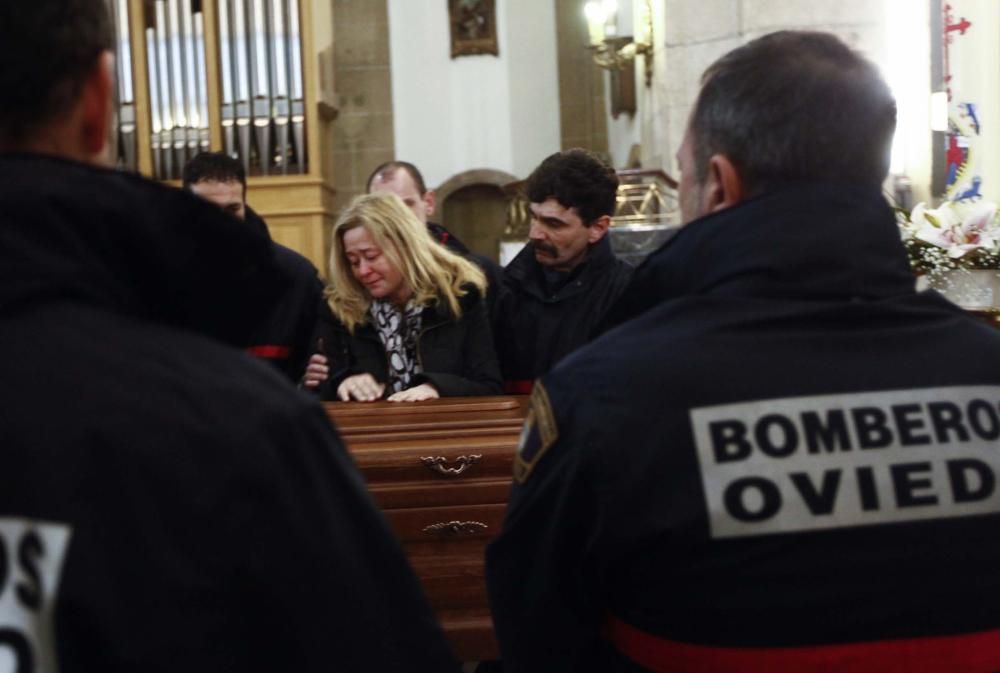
point(298, 210)
point(441, 472)
point(140, 87)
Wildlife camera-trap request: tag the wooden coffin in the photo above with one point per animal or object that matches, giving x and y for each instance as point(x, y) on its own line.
point(441, 471)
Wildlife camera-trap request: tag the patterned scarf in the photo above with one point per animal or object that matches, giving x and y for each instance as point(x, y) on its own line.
point(398, 332)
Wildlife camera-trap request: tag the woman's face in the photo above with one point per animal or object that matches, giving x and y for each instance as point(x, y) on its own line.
point(373, 269)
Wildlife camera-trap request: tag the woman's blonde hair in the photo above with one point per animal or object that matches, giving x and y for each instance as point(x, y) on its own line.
point(432, 272)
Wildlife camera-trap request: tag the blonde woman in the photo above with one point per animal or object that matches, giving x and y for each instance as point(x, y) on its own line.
point(410, 323)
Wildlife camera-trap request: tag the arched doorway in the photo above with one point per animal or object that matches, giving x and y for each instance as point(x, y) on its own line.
point(472, 205)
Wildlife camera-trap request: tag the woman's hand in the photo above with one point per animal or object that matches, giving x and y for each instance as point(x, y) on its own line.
point(424, 391)
point(317, 371)
point(360, 387)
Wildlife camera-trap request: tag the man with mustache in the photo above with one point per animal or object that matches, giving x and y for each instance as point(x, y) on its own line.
point(560, 285)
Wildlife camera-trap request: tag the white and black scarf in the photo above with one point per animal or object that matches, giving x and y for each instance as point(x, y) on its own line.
point(398, 331)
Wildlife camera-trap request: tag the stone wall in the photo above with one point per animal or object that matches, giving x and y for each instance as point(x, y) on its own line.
point(363, 131)
point(691, 35)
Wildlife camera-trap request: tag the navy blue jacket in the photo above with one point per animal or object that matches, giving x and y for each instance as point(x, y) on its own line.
point(787, 462)
point(167, 503)
point(283, 337)
point(490, 269)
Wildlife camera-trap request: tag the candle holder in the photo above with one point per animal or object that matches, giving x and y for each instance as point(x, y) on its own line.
point(618, 53)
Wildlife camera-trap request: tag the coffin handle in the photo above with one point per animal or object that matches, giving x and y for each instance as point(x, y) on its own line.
point(439, 464)
point(451, 529)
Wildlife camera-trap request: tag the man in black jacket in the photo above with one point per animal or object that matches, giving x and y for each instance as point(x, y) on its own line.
point(556, 290)
point(167, 503)
point(788, 461)
point(284, 335)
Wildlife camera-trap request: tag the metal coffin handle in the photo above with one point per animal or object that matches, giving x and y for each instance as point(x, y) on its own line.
point(439, 464)
point(452, 529)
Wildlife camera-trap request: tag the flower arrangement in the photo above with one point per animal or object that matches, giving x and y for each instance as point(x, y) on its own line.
point(955, 249)
point(955, 235)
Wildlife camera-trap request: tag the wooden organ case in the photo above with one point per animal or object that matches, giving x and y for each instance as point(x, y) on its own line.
point(251, 78)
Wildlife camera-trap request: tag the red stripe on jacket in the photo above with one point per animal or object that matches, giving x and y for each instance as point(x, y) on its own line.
point(270, 351)
point(967, 653)
point(518, 387)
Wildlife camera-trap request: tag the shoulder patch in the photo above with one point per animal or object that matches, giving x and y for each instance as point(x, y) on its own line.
point(539, 433)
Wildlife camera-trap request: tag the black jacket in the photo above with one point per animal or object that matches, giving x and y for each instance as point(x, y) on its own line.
point(284, 335)
point(490, 269)
point(789, 450)
point(167, 503)
point(456, 356)
point(535, 328)
point(440, 234)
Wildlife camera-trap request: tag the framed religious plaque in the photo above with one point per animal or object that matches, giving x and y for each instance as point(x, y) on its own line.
point(473, 27)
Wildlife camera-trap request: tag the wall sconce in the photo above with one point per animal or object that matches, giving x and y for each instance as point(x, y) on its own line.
point(614, 52)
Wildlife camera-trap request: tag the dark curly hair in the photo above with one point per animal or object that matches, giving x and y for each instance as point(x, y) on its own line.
point(213, 167)
point(47, 48)
point(577, 179)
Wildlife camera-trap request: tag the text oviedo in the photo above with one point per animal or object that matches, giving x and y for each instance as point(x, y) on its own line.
point(854, 459)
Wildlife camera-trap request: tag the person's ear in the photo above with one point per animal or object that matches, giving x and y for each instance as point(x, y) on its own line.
point(723, 187)
point(597, 229)
point(430, 200)
point(95, 106)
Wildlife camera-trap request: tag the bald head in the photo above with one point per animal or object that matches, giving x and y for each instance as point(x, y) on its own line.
point(405, 181)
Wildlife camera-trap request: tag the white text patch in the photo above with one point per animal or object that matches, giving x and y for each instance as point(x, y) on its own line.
point(831, 461)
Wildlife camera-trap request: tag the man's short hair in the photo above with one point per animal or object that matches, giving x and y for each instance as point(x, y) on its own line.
point(213, 167)
point(577, 179)
point(389, 168)
point(795, 106)
point(47, 48)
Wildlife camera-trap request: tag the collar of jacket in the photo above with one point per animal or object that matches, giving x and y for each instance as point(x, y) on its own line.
point(526, 272)
point(75, 232)
point(432, 316)
point(806, 241)
point(257, 223)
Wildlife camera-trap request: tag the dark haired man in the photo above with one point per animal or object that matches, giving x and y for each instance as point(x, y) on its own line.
point(166, 502)
point(773, 467)
point(559, 286)
point(283, 335)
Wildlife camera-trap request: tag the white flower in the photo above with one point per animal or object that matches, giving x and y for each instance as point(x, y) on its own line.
point(959, 228)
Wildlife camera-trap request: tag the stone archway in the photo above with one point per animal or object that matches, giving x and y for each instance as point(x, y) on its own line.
point(473, 206)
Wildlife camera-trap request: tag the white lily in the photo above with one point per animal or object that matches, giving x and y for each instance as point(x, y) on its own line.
point(956, 227)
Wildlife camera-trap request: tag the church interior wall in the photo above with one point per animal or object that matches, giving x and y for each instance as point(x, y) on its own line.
point(691, 35)
point(473, 112)
point(402, 95)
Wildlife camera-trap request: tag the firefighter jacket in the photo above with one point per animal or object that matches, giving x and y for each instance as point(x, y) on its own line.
point(788, 462)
